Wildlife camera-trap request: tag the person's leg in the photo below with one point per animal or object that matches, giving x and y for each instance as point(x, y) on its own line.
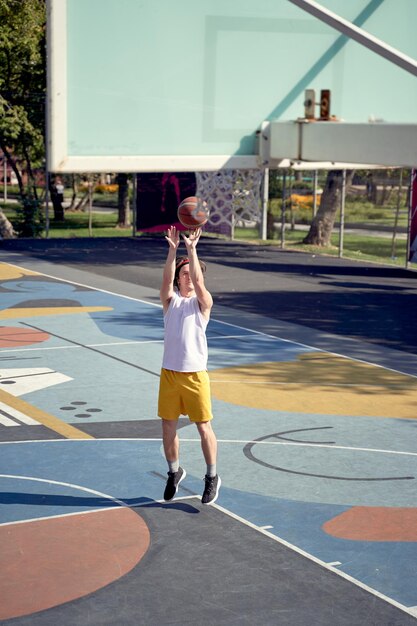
point(208, 442)
point(209, 447)
point(170, 440)
point(171, 449)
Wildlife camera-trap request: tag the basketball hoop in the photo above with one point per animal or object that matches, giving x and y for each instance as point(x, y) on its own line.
point(233, 196)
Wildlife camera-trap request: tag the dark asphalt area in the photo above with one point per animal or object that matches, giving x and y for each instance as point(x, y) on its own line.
point(372, 303)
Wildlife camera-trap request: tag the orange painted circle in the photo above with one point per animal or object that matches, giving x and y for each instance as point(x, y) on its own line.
point(48, 562)
point(13, 336)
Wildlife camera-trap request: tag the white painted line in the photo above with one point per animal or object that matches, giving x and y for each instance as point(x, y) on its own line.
point(312, 558)
point(48, 517)
point(88, 345)
point(73, 282)
point(313, 348)
point(40, 348)
point(25, 419)
point(222, 441)
point(305, 445)
point(245, 336)
point(6, 421)
point(118, 503)
point(124, 343)
point(249, 330)
point(63, 484)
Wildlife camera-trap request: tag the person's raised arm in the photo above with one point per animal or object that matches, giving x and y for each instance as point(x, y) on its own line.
point(167, 287)
point(203, 295)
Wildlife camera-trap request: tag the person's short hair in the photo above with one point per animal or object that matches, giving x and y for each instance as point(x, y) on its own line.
point(180, 262)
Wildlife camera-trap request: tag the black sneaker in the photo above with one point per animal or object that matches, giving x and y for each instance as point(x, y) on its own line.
point(174, 479)
point(211, 489)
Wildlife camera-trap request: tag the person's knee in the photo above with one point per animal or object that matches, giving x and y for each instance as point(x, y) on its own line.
point(169, 428)
point(205, 430)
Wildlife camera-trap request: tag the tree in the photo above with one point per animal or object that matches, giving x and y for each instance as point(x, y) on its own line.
point(322, 224)
point(22, 89)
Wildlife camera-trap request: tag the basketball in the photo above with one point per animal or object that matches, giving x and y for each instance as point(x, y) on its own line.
point(193, 212)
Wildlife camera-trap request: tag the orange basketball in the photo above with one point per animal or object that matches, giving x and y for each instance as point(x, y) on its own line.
point(193, 212)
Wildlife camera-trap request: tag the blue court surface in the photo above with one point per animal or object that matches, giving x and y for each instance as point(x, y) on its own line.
point(316, 522)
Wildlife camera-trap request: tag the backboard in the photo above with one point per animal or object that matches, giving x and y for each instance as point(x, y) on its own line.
point(157, 85)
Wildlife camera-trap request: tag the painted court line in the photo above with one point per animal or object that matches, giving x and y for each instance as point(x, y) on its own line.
point(49, 481)
point(313, 558)
point(13, 412)
point(255, 332)
point(48, 420)
point(43, 348)
point(116, 507)
point(81, 345)
point(6, 421)
point(73, 282)
point(304, 345)
point(225, 511)
point(222, 441)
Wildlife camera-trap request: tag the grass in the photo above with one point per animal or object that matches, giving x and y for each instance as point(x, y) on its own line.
point(357, 247)
point(363, 247)
point(356, 212)
point(76, 225)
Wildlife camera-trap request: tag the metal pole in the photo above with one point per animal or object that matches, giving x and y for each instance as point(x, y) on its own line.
point(315, 178)
point(283, 206)
point(359, 35)
point(342, 214)
point(4, 178)
point(134, 208)
point(46, 201)
point(265, 197)
point(90, 207)
point(397, 214)
point(413, 172)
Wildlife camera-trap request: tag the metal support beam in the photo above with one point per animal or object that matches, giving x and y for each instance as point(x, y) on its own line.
point(339, 142)
point(358, 34)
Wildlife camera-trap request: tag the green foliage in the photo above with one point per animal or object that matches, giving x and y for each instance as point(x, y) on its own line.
point(22, 81)
point(30, 221)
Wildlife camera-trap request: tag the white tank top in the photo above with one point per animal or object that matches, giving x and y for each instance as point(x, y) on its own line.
point(185, 343)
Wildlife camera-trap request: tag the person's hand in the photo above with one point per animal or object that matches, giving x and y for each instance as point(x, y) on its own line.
point(173, 237)
point(192, 240)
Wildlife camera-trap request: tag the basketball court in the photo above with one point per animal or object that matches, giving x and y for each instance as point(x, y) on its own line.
point(316, 518)
point(312, 361)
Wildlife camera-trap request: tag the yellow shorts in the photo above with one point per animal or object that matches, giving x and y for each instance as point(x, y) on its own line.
point(184, 393)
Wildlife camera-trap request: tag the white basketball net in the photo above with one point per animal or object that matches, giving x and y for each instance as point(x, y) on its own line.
point(232, 196)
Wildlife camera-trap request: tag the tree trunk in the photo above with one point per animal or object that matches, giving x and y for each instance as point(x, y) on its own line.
point(82, 202)
point(6, 229)
point(13, 164)
point(123, 220)
point(74, 186)
point(322, 224)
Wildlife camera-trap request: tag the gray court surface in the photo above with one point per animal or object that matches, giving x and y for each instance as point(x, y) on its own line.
point(207, 568)
point(364, 311)
point(206, 565)
point(372, 303)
